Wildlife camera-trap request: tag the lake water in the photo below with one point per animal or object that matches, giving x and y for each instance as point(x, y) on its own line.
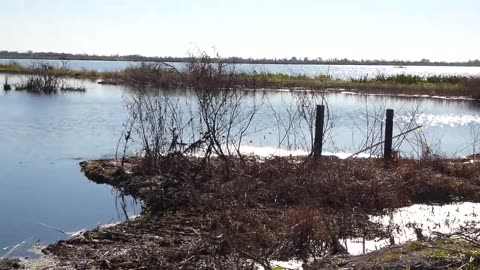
point(42, 139)
point(336, 71)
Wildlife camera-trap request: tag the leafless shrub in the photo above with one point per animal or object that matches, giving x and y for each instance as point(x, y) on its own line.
point(295, 119)
point(409, 136)
point(309, 234)
point(224, 114)
point(370, 127)
point(287, 124)
point(307, 102)
point(215, 121)
point(156, 124)
point(475, 140)
point(47, 79)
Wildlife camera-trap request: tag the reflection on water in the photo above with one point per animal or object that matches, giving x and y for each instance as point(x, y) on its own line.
point(42, 139)
point(431, 219)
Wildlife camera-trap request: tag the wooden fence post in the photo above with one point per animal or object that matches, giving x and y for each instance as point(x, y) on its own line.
point(387, 153)
point(317, 145)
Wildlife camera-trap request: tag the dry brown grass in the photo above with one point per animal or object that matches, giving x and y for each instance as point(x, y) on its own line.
point(282, 208)
point(361, 184)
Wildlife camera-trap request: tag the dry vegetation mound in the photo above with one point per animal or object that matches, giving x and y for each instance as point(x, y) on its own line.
point(227, 213)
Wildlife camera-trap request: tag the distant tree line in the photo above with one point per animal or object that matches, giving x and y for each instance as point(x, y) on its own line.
point(292, 60)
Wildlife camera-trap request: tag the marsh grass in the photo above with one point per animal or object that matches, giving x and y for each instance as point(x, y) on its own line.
point(167, 77)
point(12, 68)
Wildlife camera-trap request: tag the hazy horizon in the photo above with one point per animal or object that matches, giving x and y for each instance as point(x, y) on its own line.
point(395, 30)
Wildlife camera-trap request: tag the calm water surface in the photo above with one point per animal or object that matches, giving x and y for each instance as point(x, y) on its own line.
point(42, 139)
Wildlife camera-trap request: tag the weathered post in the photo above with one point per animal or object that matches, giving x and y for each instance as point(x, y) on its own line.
point(317, 145)
point(387, 153)
point(6, 86)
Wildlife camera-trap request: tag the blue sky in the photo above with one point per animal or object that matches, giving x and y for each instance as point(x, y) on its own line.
point(367, 29)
